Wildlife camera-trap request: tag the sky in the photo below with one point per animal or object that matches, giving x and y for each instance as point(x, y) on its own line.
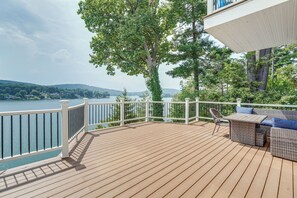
point(46, 42)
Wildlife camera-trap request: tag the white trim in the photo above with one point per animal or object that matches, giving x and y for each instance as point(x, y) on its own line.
point(269, 105)
point(102, 103)
point(140, 118)
point(76, 106)
point(167, 118)
point(211, 102)
point(135, 102)
point(101, 123)
point(16, 157)
point(207, 118)
point(249, 104)
point(12, 113)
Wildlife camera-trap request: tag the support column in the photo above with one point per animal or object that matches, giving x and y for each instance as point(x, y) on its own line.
point(65, 146)
point(187, 111)
point(122, 112)
point(197, 109)
point(86, 115)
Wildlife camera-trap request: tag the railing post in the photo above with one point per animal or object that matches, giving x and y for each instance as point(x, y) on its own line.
point(86, 114)
point(210, 6)
point(64, 106)
point(122, 112)
point(187, 111)
point(238, 102)
point(197, 109)
point(147, 109)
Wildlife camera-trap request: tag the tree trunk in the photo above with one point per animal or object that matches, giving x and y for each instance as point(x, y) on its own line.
point(258, 68)
point(264, 58)
point(196, 77)
point(194, 53)
point(154, 86)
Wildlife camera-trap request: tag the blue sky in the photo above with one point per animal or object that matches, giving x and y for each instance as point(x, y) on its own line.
point(46, 42)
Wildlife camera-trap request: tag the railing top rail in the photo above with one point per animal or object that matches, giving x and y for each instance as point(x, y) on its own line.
point(269, 105)
point(76, 106)
point(134, 102)
point(102, 103)
point(11, 113)
point(162, 102)
point(211, 102)
point(249, 104)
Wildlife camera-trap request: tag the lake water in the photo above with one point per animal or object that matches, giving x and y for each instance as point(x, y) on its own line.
point(34, 105)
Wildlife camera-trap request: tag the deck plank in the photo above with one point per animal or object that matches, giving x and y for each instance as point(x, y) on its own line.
point(211, 187)
point(244, 183)
point(257, 186)
point(156, 160)
point(286, 180)
point(272, 182)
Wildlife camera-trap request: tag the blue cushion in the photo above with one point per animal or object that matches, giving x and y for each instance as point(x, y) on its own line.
point(244, 110)
point(267, 122)
point(286, 124)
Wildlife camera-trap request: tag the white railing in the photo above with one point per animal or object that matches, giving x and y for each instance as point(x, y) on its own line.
point(27, 133)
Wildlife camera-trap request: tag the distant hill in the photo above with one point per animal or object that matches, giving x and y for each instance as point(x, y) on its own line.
point(166, 92)
point(13, 82)
point(112, 92)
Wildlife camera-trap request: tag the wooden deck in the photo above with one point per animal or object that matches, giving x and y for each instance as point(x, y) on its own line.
point(157, 160)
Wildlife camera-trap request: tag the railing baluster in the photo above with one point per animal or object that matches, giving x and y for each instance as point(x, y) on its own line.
point(58, 134)
point(36, 132)
point(2, 137)
point(21, 152)
point(44, 131)
point(51, 130)
point(11, 136)
point(29, 135)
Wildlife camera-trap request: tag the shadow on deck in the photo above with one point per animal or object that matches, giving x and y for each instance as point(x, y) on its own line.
point(156, 160)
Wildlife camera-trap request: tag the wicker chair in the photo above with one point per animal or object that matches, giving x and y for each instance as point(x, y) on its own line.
point(217, 119)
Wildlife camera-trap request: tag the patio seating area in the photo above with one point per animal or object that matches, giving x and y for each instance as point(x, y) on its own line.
point(156, 160)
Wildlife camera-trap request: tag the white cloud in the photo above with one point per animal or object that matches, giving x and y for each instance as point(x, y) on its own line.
point(57, 41)
point(61, 55)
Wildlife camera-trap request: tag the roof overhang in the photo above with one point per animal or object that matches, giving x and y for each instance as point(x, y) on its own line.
point(254, 24)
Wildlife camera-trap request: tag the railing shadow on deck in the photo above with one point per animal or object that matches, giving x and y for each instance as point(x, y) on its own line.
point(77, 153)
point(29, 175)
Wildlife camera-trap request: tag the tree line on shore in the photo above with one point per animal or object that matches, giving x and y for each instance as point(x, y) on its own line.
point(37, 92)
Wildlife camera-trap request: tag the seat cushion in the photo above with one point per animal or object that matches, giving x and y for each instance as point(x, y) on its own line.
point(286, 124)
point(244, 110)
point(267, 122)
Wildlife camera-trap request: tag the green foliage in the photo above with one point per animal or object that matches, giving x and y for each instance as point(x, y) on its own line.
point(129, 35)
point(190, 46)
point(37, 92)
point(130, 111)
point(227, 81)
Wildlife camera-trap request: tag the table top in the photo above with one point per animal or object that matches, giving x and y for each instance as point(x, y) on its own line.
point(251, 118)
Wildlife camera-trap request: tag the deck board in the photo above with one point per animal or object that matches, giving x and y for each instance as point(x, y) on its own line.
point(156, 160)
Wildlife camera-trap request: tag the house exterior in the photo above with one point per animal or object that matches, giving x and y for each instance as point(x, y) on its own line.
point(247, 25)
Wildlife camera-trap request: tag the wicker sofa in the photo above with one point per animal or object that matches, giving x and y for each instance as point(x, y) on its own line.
point(283, 142)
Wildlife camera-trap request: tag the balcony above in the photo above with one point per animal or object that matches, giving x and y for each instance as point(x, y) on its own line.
point(249, 25)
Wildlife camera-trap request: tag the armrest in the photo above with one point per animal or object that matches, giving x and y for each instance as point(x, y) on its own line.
point(283, 133)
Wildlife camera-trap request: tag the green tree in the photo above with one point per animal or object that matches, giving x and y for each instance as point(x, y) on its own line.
point(130, 35)
point(190, 45)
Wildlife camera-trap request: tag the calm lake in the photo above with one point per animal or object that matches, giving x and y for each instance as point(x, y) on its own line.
point(35, 105)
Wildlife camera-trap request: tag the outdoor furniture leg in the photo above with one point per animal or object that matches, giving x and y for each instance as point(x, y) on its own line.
point(229, 129)
point(218, 128)
point(214, 129)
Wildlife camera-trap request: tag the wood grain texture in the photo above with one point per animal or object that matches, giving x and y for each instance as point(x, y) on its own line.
point(156, 160)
